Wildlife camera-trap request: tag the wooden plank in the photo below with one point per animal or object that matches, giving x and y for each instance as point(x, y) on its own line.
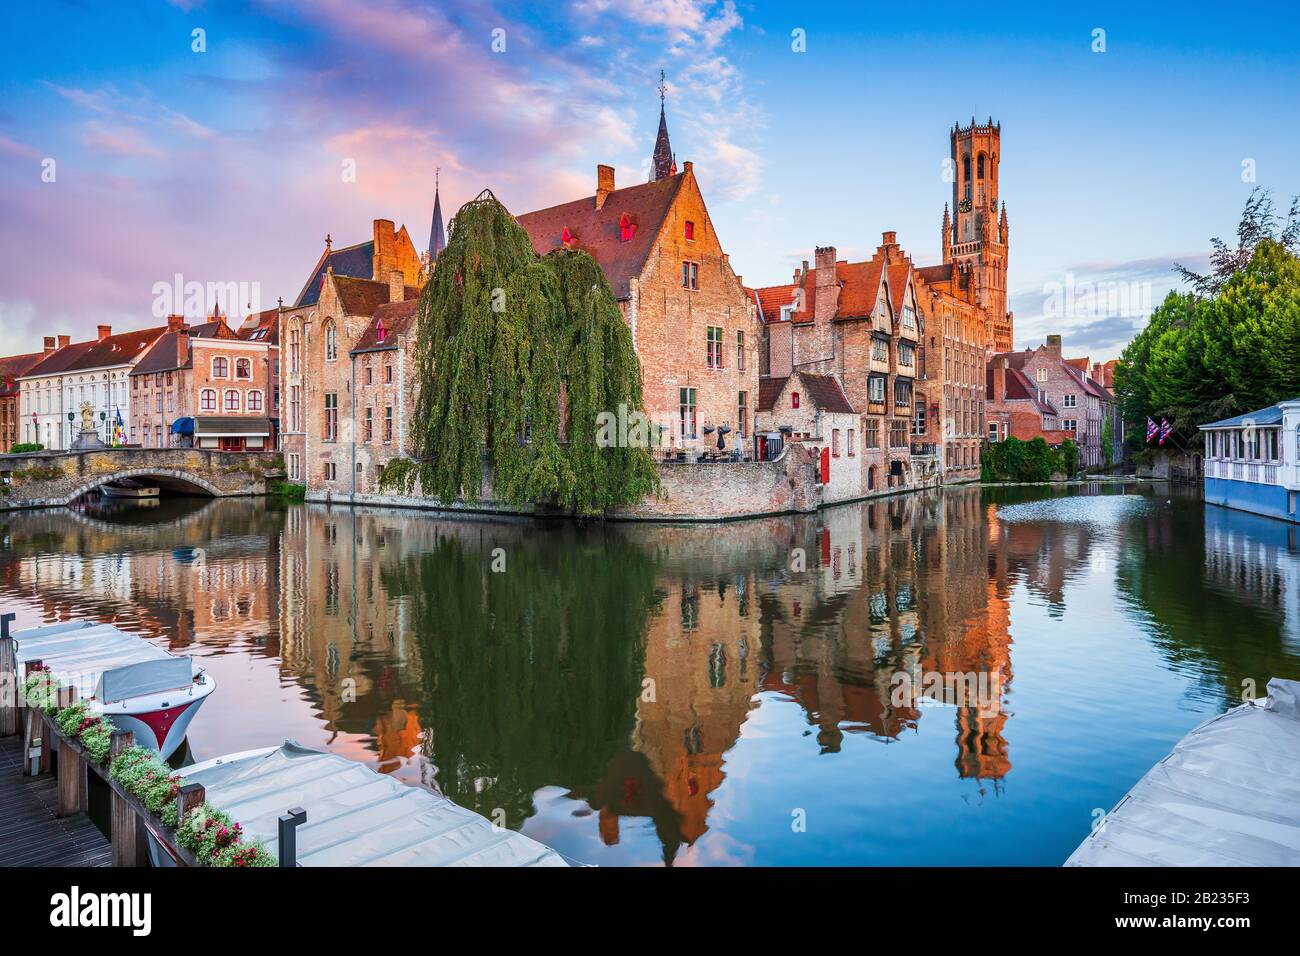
point(8, 678)
point(74, 782)
point(31, 831)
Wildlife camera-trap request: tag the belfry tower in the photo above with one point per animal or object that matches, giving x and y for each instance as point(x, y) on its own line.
point(975, 237)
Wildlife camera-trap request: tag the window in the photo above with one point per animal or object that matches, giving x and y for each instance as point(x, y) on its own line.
point(686, 409)
point(876, 389)
point(909, 317)
point(295, 408)
point(388, 375)
point(1071, 401)
point(275, 398)
point(1040, 374)
point(1070, 425)
point(690, 275)
point(243, 368)
point(918, 419)
point(852, 446)
point(255, 400)
point(208, 400)
point(295, 466)
point(742, 415)
point(157, 436)
point(331, 432)
point(388, 424)
point(993, 431)
point(331, 472)
point(689, 231)
point(714, 358)
point(369, 429)
point(295, 348)
point(902, 393)
point(906, 354)
point(965, 170)
point(879, 351)
point(979, 166)
point(232, 400)
point(835, 443)
point(794, 399)
point(220, 367)
point(132, 434)
point(158, 403)
point(331, 342)
point(171, 403)
point(369, 374)
point(898, 433)
point(740, 351)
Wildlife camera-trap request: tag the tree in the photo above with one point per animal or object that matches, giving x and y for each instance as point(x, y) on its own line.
point(505, 340)
point(1259, 221)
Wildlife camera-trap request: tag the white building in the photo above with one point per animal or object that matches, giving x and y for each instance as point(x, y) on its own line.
point(51, 394)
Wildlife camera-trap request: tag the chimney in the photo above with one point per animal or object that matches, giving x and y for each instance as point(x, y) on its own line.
point(1054, 345)
point(688, 166)
point(604, 184)
point(49, 344)
point(396, 286)
point(827, 301)
point(385, 255)
point(105, 331)
point(1000, 378)
point(889, 238)
point(175, 323)
point(65, 341)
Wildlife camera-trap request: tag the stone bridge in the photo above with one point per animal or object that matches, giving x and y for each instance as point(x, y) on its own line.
point(52, 478)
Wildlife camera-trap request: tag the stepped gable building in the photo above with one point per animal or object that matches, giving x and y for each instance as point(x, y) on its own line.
point(383, 363)
point(860, 323)
point(315, 337)
point(11, 368)
point(693, 325)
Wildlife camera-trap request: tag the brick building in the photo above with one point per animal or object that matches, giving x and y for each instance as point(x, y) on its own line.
point(860, 323)
point(202, 386)
point(1081, 403)
point(11, 368)
point(317, 333)
point(813, 410)
point(694, 328)
point(383, 370)
point(1018, 408)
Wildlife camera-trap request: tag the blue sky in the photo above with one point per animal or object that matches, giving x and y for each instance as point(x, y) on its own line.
point(225, 165)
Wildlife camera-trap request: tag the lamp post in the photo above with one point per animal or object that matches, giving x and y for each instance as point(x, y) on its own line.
point(72, 416)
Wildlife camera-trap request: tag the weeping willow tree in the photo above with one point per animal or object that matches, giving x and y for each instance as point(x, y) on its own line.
point(502, 336)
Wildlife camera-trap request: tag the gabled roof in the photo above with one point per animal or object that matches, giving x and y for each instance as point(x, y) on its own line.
point(936, 274)
point(262, 327)
point(398, 319)
point(597, 231)
point(859, 287)
point(12, 366)
point(898, 275)
point(772, 299)
point(364, 296)
point(115, 349)
point(824, 391)
point(60, 360)
point(1019, 389)
point(357, 261)
point(169, 351)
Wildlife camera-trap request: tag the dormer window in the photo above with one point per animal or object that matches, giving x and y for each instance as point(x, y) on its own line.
point(626, 228)
point(689, 231)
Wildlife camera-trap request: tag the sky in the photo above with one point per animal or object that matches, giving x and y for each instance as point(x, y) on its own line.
point(221, 142)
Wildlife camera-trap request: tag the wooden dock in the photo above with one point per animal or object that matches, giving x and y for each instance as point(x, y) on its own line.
point(31, 831)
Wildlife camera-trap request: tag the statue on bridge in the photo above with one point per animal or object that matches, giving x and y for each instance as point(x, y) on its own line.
point(89, 439)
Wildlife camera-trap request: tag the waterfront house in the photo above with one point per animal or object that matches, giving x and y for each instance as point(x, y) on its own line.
point(11, 367)
point(1252, 461)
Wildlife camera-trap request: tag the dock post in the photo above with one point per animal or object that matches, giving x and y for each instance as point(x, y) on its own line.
point(288, 835)
point(130, 842)
point(8, 678)
point(36, 743)
point(192, 795)
point(72, 770)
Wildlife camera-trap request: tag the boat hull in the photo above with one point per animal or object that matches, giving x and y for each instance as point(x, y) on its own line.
point(160, 721)
point(113, 491)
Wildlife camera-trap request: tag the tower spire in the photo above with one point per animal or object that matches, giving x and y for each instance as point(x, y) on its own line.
point(663, 164)
point(437, 237)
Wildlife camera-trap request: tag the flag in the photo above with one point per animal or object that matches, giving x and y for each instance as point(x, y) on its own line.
point(1165, 430)
point(1152, 429)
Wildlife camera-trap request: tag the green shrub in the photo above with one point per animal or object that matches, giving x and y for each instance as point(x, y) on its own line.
point(23, 447)
point(287, 491)
point(217, 840)
point(1034, 460)
point(144, 775)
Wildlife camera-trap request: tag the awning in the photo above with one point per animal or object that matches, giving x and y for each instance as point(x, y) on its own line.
point(183, 426)
point(232, 426)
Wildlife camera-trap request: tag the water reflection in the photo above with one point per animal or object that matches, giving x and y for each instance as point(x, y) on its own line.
point(640, 694)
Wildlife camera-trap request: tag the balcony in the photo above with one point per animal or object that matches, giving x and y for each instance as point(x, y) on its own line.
point(1259, 472)
point(925, 450)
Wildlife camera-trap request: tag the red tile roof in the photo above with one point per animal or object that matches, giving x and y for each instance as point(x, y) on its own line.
point(169, 351)
point(898, 273)
point(398, 318)
point(262, 327)
point(598, 232)
point(13, 366)
point(360, 296)
point(772, 298)
point(824, 391)
point(60, 359)
point(769, 390)
point(1019, 389)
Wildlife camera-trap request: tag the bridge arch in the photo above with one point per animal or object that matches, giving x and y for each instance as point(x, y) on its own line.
point(172, 479)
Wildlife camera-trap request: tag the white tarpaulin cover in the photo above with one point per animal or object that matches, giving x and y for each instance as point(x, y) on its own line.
point(356, 817)
point(1228, 795)
point(80, 653)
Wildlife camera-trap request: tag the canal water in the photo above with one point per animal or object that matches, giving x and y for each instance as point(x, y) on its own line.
point(961, 677)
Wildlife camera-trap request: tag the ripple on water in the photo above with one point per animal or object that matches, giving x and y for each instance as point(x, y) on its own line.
point(1103, 510)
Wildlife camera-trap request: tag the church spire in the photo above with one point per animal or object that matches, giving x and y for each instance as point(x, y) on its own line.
point(437, 237)
point(664, 165)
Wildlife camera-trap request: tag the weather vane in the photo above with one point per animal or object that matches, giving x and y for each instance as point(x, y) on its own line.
point(663, 88)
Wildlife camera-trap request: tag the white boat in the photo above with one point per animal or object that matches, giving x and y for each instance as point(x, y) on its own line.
point(134, 682)
point(1228, 795)
point(355, 816)
point(126, 488)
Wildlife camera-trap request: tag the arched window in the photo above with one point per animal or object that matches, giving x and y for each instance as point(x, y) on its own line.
point(243, 368)
point(208, 400)
point(232, 400)
point(295, 347)
point(979, 166)
point(220, 367)
point(331, 342)
point(965, 168)
point(255, 400)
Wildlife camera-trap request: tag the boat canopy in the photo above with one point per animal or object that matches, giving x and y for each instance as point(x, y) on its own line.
point(1228, 795)
point(99, 660)
point(356, 817)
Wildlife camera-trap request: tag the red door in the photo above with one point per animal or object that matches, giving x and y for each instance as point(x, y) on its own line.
point(826, 466)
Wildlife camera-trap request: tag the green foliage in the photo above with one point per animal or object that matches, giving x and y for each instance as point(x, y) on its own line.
point(502, 336)
point(1034, 460)
point(218, 841)
point(93, 731)
point(36, 473)
point(399, 476)
point(1230, 346)
point(23, 447)
point(287, 491)
point(41, 691)
point(144, 775)
point(1108, 440)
